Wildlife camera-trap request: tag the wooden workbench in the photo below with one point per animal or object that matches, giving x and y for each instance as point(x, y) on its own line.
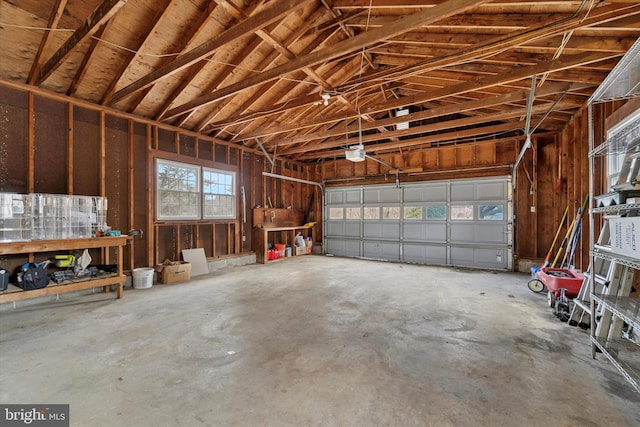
point(37, 246)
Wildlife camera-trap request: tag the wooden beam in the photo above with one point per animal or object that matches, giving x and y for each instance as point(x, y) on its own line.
point(516, 96)
point(99, 16)
point(490, 47)
point(86, 60)
point(261, 19)
point(435, 127)
point(54, 19)
point(448, 8)
point(129, 55)
point(422, 142)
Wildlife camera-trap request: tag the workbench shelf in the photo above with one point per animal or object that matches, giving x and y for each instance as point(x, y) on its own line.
point(260, 238)
point(41, 246)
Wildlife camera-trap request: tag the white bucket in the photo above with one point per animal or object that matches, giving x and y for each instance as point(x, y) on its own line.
point(142, 277)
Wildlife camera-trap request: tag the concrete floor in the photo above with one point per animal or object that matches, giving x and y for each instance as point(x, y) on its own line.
point(313, 341)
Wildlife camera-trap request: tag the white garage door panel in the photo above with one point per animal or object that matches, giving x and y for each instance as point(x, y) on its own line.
point(347, 229)
point(382, 250)
point(424, 254)
point(425, 193)
point(350, 248)
point(478, 233)
point(462, 191)
point(478, 257)
point(434, 232)
point(425, 232)
point(491, 191)
point(382, 195)
point(491, 233)
point(381, 230)
point(334, 197)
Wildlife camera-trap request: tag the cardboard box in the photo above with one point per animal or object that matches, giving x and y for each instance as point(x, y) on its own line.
point(300, 250)
point(173, 272)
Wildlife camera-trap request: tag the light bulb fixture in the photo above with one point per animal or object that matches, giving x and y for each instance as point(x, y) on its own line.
point(325, 98)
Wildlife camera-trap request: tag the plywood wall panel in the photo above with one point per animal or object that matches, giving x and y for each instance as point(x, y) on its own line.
point(117, 172)
point(187, 145)
point(166, 140)
point(205, 238)
point(14, 134)
point(220, 240)
point(465, 155)
point(86, 152)
point(51, 127)
point(221, 154)
point(205, 150)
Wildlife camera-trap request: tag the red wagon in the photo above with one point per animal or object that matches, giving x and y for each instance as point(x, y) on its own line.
point(556, 279)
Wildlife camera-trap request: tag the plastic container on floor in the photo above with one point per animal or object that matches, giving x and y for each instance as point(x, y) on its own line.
point(142, 278)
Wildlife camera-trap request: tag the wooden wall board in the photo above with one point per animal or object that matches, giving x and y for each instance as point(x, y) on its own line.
point(187, 145)
point(205, 149)
point(14, 133)
point(205, 238)
point(86, 149)
point(50, 146)
point(221, 243)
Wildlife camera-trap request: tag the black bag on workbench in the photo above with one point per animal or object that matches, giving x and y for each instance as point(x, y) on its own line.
point(34, 276)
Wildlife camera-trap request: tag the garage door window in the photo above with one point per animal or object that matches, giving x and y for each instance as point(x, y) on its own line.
point(390, 212)
point(491, 212)
point(371, 213)
point(353, 213)
point(336, 213)
point(462, 212)
point(413, 212)
point(437, 212)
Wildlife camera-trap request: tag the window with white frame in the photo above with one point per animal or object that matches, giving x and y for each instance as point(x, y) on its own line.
point(218, 193)
point(188, 192)
point(177, 190)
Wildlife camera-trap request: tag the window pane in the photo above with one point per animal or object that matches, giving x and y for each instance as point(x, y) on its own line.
point(336, 213)
point(372, 213)
point(436, 212)
point(391, 212)
point(218, 193)
point(491, 212)
point(412, 212)
point(177, 190)
point(464, 212)
point(353, 213)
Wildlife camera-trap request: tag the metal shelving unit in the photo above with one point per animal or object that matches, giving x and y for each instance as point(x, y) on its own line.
point(615, 315)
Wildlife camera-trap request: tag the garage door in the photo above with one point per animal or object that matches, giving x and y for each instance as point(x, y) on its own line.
point(454, 222)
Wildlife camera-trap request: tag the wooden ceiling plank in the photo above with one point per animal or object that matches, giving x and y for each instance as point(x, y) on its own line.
point(145, 33)
point(492, 46)
point(241, 57)
point(258, 93)
point(99, 16)
point(54, 19)
point(86, 60)
point(194, 30)
point(272, 13)
point(441, 11)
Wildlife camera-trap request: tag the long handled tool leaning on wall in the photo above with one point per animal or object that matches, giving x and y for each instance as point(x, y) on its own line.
point(555, 239)
point(571, 232)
